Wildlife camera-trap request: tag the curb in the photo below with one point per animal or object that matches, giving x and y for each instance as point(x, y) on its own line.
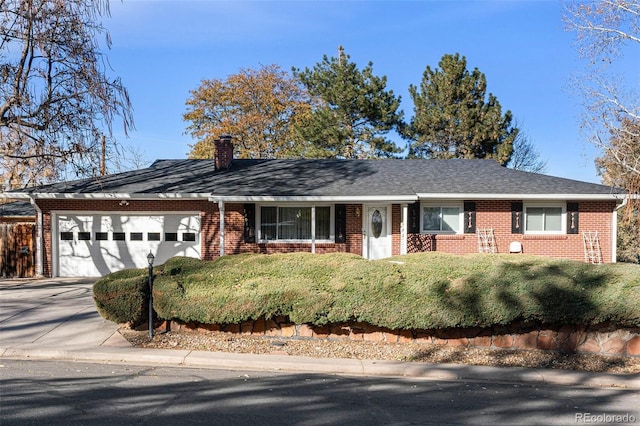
point(353, 367)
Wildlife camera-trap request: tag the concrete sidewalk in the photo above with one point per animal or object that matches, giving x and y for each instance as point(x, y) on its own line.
point(56, 319)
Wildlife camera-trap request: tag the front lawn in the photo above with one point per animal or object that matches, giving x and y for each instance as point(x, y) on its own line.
point(416, 291)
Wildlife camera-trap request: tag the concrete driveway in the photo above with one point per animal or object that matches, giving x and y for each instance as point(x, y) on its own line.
point(51, 313)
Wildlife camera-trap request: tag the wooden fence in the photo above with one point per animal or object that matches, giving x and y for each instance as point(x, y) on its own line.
point(17, 250)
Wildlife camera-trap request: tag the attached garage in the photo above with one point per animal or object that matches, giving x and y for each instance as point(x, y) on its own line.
point(93, 245)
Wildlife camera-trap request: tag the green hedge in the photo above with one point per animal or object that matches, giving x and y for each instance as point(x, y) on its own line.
point(123, 296)
point(417, 291)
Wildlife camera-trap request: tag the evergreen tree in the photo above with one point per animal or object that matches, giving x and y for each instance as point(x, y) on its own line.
point(352, 110)
point(452, 119)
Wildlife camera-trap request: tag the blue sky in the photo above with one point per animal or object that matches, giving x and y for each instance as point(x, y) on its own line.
point(163, 49)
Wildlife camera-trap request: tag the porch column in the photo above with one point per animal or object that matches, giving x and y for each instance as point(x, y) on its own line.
point(221, 209)
point(403, 228)
point(39, 239)
point(313, 229)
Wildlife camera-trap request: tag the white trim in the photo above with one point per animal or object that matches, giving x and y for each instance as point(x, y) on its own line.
point(39, 238)
point(404, 208)
point(55, 242)
point(313, 228)
point(553, 204)
point(394, 199)
point(614, 227)
point(102, 196)
point(126, 212)
point(489, 196)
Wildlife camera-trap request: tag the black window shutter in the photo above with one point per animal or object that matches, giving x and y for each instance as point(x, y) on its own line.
point(341, 223)
point(572, 218)
point(414, 218)
point(469, 217)
point(517, 218)
point(249, 223)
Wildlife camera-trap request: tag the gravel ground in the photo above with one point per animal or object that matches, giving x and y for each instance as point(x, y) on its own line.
point(225, 342)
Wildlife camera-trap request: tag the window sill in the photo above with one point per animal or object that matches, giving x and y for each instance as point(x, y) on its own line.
point(290, 242)
point(545, 237)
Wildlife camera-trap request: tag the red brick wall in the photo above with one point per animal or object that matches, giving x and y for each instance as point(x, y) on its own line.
point(593, 216)
point(396, 220)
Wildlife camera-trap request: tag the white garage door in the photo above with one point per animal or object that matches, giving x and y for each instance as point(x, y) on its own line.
point(95, 245)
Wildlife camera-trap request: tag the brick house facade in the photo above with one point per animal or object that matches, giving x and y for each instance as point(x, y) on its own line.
point(206, 208)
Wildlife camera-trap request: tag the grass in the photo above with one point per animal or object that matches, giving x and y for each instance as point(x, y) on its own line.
point(416, 291)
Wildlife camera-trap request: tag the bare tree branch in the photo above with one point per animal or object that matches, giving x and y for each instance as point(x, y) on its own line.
point(57, 100)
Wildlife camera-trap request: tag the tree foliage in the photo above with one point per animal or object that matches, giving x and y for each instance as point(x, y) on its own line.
point(353, 111)
point(608, 35)
point(56, 100)
point(624, 145)
point(259, 108)
point(452, 119)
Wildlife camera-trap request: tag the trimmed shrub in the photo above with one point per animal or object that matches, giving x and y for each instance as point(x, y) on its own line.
point(416, 291)
point(123, 297)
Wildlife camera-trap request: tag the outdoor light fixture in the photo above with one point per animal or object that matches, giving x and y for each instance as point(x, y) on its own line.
point(150, 259)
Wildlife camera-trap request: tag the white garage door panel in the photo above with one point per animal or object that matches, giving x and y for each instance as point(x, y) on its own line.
point(95, 245)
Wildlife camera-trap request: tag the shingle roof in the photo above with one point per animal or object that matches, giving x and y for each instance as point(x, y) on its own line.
point(17, 209)
point(328, 177)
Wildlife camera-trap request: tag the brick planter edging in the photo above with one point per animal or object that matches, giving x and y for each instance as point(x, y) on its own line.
point(600, 339)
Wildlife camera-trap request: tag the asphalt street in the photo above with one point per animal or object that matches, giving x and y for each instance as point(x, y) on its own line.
point(75, 393)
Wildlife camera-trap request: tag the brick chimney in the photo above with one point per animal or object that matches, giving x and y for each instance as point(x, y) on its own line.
point(223, 152)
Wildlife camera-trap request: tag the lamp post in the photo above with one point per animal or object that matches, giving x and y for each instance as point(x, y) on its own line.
point(150, 259)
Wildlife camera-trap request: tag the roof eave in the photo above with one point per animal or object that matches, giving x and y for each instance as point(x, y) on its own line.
point(315, 198)
point(515, 196)
point(106, 196)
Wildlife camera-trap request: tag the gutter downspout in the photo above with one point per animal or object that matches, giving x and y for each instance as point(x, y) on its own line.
point(39, 238)
point(221, 209)
point(614, 246)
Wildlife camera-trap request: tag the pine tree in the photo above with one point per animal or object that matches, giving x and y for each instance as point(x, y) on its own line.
point(353, 110)
point(452, 119)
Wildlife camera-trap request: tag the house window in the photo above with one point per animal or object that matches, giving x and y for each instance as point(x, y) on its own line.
point(66, 236)
point(294, 223)
point(171, 236)
point(188, 236)
point(439, 218)
point(543, 219)
point(118, 236)
point(102, 236)
point(153, 236)
point(136, 236)
point(84, 236)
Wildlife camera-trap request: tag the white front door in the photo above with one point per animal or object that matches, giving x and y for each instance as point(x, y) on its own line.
point(377, 232)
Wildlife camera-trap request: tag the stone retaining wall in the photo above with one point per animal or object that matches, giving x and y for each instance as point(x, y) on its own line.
point(601, 339)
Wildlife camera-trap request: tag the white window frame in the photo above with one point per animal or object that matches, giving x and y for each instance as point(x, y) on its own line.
point(313, 224)
point(443, 204)
point(563, 217)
